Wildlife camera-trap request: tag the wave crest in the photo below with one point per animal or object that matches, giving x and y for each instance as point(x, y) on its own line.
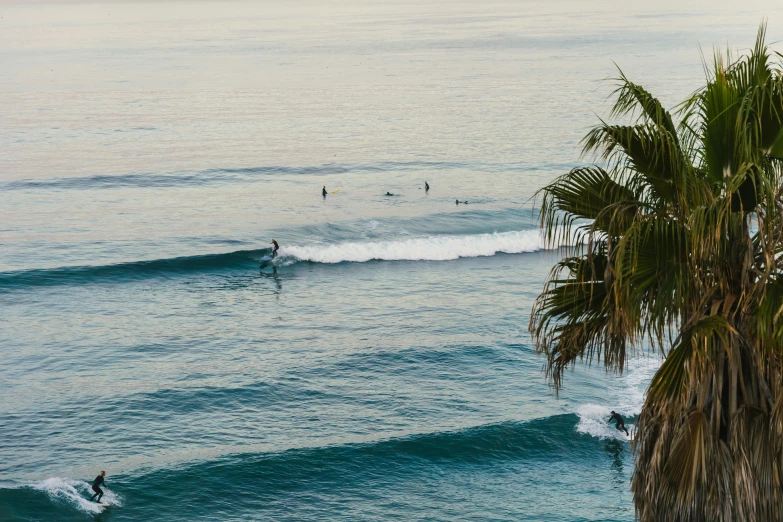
point(76, 493)
point(426, 248)
point(430, 248)
point(625, 395)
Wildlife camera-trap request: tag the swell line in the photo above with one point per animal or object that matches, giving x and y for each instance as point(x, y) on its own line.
point(249, 174)
point(129, 271)
point(427, 248)
point(265, 476)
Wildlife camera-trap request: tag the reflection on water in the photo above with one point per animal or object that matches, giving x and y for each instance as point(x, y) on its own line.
point(271, 275)
point(615, 449)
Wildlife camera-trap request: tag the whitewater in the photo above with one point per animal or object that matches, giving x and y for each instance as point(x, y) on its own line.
point(431, 248)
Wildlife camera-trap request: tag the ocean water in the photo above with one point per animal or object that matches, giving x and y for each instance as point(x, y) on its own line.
point(381, 368)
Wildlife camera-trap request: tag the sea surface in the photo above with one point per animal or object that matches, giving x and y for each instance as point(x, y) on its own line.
point(381, 367)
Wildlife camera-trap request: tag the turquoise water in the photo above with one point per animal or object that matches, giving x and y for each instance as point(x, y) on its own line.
point(381, 367)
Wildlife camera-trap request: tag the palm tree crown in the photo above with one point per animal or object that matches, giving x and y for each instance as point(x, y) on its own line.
point(681, 234)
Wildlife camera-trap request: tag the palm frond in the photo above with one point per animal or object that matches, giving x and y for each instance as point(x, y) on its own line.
point(682, 250)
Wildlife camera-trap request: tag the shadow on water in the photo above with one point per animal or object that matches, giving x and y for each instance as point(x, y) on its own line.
point(615, 449)
point(274, 277)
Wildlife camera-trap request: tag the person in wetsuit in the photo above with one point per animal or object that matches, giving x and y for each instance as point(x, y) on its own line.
point(620, 422)
point(389, 194)
point(96, 486)
point(275, 248)
point(323, 191)
point(426, 187)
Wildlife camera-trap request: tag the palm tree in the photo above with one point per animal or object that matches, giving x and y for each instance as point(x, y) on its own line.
point(680, 228)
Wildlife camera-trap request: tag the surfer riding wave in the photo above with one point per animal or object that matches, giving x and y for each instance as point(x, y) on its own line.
point(96, 487)
point(620, 422)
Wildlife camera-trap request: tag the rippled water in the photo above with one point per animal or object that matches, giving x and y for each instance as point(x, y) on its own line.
point(380, 368)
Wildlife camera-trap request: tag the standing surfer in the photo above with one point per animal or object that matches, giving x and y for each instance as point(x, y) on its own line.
point(323, 191)
point(426, 187)
point(96, 487)
point(275, 248)
point(620, 425)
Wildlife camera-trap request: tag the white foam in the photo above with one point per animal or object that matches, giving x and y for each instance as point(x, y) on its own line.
point(429, 248)
point(625, 395)
point(74, 491)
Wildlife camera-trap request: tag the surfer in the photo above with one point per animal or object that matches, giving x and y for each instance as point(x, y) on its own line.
point(463, 202)
point(426, 187)
point(388, 194)
point(323, 192)
point(275, 248)
point(620, 425)
point(96, 487)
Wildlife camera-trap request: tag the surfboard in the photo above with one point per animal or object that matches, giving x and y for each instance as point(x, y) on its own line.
point(103, 504)
point(265, 261)
point(334, 192)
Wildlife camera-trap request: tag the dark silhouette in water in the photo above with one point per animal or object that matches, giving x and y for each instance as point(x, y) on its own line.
point(616, 449)
point(463, 202)
point(96, 487)
point(275, 248)
point(426, 187)
point(620, 423)
point(388, 194)
point(323, 192)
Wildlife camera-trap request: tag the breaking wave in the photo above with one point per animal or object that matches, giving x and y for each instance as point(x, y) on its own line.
point(61, 491)
point(427, 248)
point(431, 248)
point(625, 395)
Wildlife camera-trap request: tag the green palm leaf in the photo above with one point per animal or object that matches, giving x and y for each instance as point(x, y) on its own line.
point(681, 249)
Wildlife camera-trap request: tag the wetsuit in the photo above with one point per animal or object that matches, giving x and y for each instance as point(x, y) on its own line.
point(96, 487)
point(426, 187)
point(275, 248)
point(620, 422)
point(324, 191)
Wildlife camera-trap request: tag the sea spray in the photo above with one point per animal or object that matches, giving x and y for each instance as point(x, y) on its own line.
point(75, 492)
point(625, 396)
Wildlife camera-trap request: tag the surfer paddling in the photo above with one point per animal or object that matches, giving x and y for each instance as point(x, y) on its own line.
point(275, 248)
point(96, 487)
point(620, 423)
